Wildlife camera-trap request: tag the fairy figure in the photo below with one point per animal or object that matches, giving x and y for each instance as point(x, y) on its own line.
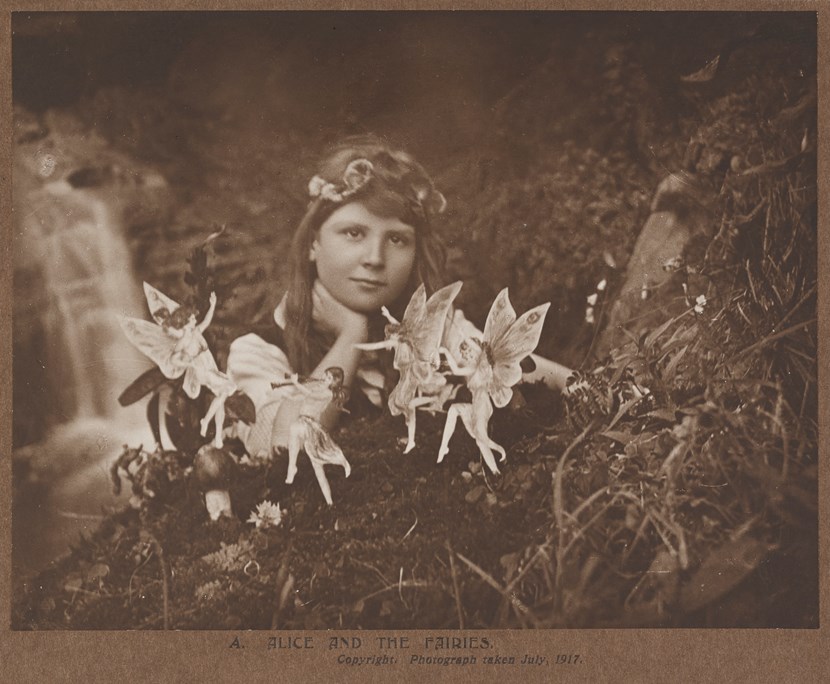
point(307, 434)
point(491, 366)
point(176, 344)
point(416, 341)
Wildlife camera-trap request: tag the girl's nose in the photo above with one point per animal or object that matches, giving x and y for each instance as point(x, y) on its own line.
point(374, 254)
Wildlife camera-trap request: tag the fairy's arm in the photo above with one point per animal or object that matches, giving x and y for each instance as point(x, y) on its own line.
point(374, 346)
point(552, 374)
point(464, 371)
point(209, 315)
point(294, 379)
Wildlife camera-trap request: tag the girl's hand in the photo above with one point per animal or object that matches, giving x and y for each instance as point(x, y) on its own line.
point(330, 315)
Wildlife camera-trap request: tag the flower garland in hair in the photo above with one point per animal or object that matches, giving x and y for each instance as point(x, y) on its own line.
point(357, 174)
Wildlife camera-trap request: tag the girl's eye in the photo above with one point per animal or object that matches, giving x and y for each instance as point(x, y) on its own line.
point(353, 233)
point(397, 239)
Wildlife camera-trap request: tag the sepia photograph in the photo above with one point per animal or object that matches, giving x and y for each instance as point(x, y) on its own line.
point(483, 320)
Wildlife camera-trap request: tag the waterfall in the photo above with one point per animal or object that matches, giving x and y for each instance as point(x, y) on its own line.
point(72, 243)
point(85, 265)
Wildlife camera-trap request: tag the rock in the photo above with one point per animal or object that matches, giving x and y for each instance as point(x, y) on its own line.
point(650, 293)
point(475, 494)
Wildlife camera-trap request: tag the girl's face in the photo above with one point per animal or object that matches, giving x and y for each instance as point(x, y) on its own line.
point(364, 260)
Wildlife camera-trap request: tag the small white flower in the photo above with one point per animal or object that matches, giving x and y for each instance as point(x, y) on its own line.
point(644, 291)
point(601, 285)
point(592, 299)
point(316, 185)
point(700, 302)
point(589, 315)
point(266, 515)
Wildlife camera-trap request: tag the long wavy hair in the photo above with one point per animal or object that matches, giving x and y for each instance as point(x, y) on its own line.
point(400, 188)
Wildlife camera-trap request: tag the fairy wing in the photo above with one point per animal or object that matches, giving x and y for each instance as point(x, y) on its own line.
point(151, 340)
point(509, 340)
point(502, 315)
point(428, 330)
point(415, 308)
point(157, 300)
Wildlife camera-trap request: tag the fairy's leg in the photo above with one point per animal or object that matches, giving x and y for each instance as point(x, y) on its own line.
point(203, 424)
point(322, 480)
point(449, 427)
point(410, 414)
point(487, 453)
point(500, 449)
point(219, 420)
point(482, 441)
point(410, 429)
point(296, 434)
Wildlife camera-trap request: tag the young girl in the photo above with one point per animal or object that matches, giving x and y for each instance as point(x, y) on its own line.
point(367, 240)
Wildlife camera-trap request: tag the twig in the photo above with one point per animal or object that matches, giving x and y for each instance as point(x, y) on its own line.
point(79, 516)
point(285, 585)
point(581, 532)
point(130, 584)
point(771, 338)
point(371, 567)
point(406, 583)
point(165, 588)
point(455, 590)
point(521, 609)
point(414, 525)
point(560, 468)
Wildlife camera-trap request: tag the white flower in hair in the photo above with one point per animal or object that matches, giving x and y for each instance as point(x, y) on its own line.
point(356, 175)
point(316, 185)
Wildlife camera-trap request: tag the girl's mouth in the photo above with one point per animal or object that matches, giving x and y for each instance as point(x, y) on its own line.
point(369, 283)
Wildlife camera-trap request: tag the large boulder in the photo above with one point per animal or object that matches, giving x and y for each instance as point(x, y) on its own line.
point(652, 290)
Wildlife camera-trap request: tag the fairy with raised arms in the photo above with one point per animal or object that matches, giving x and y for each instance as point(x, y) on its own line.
point(416, 341)
point(175, 342)
point(491, 367)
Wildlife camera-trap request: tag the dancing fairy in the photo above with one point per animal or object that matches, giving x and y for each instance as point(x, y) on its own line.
point(491, 367)
point(175, 342)
point(416, 341)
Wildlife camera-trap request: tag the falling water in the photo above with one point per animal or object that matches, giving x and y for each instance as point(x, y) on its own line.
point(86, 268)
point(84, 262)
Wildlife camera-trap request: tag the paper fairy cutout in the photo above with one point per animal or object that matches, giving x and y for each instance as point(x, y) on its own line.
point(416, 341)
point(491, 367)
point(176, 344)
point(307, 433)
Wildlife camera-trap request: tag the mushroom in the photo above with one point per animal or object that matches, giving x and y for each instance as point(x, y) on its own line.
point(213, 469)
